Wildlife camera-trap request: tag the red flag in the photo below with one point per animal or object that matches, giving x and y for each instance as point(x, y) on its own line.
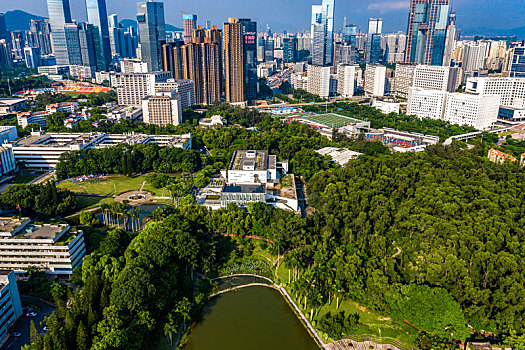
point(18, 207)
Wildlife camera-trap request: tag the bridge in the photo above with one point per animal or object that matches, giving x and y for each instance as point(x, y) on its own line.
point(471, 135)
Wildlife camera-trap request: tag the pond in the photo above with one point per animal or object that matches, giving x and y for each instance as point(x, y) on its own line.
point(144, 212)
point(249, 318)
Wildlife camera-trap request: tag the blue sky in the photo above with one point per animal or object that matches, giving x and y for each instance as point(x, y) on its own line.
point(295, 14)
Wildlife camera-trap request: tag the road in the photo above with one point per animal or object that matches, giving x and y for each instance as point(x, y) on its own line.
point(284, 105)
point(24, 323)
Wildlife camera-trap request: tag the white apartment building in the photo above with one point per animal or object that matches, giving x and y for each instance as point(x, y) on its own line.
point(474, 55)
point(133, 87)
point(68, 107)
point(10, 305)
point(435, 78)
point(185, 88)
point(375, 76)
point(478, 111)
point(346, 80)
point(299, 81)
point(426, 103)
point(511, 90)
point(163, 108)
point(319, 81)
point(55, 249)
point(403, 79)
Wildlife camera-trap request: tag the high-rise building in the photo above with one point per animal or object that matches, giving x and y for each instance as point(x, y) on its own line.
point(478, 111)
point(375, 77)
point(10, 305)
point(517, 68)
point(234, 60)
point(344, 54)
point(4, 33)
point(59, 14)
point(373, 43)
point(133, 87)
point(350, 34)
point(172, 59)
point(91, 47)
point(346, 80)
point(290, 49)
point(190, 24)
point(403, 79)
point(32, 57)
point(269, 50)
point(42, 32)
point(511, 90)
point(322, 33)
point(150, 18)
point(5, 54)
point(474, 56)
point(73, 44)
point(450, 41)
point(260, 49)
point(162, 108)
point(184, 88)
point(427, 31)
point(436, 78)
point(17, 44)
point(97, 15)
point(319, 80)
point(250, 57)
point(426, 103)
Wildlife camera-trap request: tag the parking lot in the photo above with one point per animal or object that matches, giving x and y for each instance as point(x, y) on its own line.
point(30, 304)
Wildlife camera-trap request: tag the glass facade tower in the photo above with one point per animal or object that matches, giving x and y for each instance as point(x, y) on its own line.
point(322, 33)
point(150, 18)
point(98, 16)
point(373, 43)
point(427, 31)
point(59, 14)
point(250, 57)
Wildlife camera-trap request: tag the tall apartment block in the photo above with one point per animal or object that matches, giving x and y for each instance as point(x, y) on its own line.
point(375, 77)
point(234, 60)
point(427, 31)
point(133, 87)
point(150, 18)
point(190, 24)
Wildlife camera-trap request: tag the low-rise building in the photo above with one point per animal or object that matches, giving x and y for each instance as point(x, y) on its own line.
point(8, 134)
point(53, 70)
point(10, 305)
point(11, 105)
point(26, 118)
point(386, 105)
point(497, 156)
point(68, 107)
point(340, 156)
point(214, 121)
point(53, 248)
point(511, 115)
point(299, 81)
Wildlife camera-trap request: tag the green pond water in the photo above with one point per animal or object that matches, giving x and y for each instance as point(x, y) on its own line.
point(249, 318)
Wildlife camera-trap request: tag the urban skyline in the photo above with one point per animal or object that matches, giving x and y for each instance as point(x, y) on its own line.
point(489, 14)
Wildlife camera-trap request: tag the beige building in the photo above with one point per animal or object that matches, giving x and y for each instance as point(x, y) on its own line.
point(184, 88)
point(403, 79)
point(234, 60)
point(375, 76)
point(163, 108)
point(319, 80)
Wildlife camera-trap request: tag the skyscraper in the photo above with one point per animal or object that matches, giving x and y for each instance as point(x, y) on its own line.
point(73, 44)
point(234, 60)
point(190, 24)
point(98, 16)
point(350, 34)
point(172, 59)
point(91, 47)
point(427, 31)
point(450, 41)
point(59, 14)
point(150, 18)
point(373, 43)
point(250, 57)
point(322, 33)
point(4, 34)
point(42, 34)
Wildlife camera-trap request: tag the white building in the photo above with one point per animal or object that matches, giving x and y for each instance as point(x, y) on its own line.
point(214, 121)
point(8, 134)
point(299, 81)
point(346, 80)
point(478, 111)
point(375, 76)
point(133, 87)
point(511, 90)
point(128, 65)
point(55, 249)
point(163, 108)
point(435, 78)
point(7, 161)
point(252, 167)
point(386, 105)
point(403, 79)
point(185, 88)
point(474, 55)
point(426, 103)
point(10, 305)
point(319, 81)
point(68, 107)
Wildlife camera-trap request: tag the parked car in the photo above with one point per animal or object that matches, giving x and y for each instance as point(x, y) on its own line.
point(16, 334)
point(31, 314)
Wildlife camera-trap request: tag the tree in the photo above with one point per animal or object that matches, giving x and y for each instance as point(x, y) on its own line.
point(36, 340)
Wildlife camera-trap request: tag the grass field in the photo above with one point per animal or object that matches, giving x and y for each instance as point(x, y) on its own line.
point(331, 120)
point(87, 202)
point(111, 185)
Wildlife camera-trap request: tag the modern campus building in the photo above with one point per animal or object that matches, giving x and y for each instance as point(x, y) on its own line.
point(53, 248)
point(375, 76)
point(435, 78)
point(10, 305)
point(42, 151)
point(426, 103)
point(511, 90)
point(163, 108)
point(427, 31)
point(132, 88)
point(403, 79)
point(11, 105)
point(234, 60)
point(517, 68)
point(150, 18)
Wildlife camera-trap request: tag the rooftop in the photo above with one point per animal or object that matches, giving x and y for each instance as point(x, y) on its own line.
point(244, 189)
point(11, 101)
point(249, 160)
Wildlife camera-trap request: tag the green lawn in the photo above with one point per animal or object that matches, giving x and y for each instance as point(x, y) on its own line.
point(331, 120)
point(111, 185)
point(87, 202)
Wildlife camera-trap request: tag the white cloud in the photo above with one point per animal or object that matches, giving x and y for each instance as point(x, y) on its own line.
point(386, 6)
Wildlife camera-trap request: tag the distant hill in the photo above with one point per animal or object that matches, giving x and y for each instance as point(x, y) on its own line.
point(19, 20)
point(132, 23)
point(519, 32)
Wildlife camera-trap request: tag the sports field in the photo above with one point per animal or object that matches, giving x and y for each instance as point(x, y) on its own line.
point(331, 120)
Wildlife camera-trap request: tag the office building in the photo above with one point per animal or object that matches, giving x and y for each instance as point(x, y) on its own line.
point(269, 50)
point(41, 31)
point(133, 87)
point(436, 78)
point(322, 33)
point(190, 24)
point(517, 68)
point(478, 111)
point(403, 79)
point(163, 108)
point(375, 76)
point(373, 44)
point(73, 44)
point(250, 58)
point(319, 80)
point(4, 33)
point(59, 14)
point(510, 90)
point(427, 31)
point(426, 103)
point(98, 16)
point(10, 305)
point(150, 18)
point(350, 34)
point(184, 88)
point(260, 49)
point(234, 61)
point(53, 248)
point(290, 50)
point(32, 57)
point(6, 60)
point(90, 47)
point(346, 80)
